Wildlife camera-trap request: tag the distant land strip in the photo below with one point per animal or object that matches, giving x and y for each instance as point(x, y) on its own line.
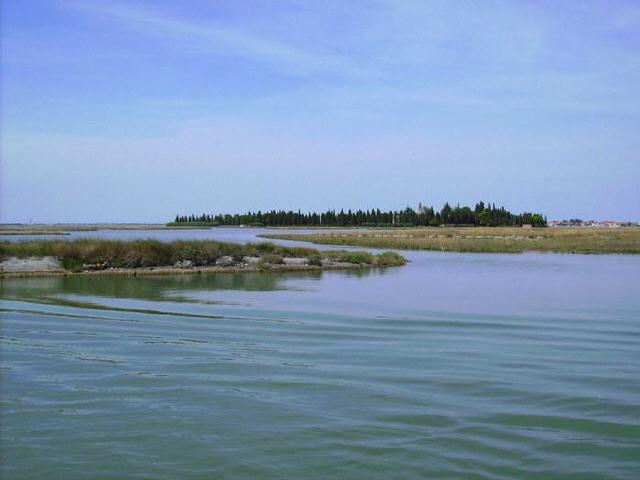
point(484, 239)
point(481, 215)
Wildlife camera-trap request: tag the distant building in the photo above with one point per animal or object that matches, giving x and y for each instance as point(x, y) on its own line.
point(577, 223)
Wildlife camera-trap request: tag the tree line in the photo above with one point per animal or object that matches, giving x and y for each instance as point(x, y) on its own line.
point(482, 215)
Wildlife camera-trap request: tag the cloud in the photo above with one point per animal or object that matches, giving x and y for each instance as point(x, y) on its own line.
point(217, 38)
point(496, 55)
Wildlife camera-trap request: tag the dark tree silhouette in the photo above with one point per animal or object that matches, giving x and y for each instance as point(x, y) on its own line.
point(482, 215)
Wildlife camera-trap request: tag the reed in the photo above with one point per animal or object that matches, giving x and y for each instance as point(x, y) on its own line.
point(485, 239)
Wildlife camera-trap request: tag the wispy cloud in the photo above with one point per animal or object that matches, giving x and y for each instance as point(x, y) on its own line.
point(430, 51)
point(212, 37)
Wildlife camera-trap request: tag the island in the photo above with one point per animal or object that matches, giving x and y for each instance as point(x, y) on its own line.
point(482, 228)
point(482, 214)
point(152, 257)
point(622, 240)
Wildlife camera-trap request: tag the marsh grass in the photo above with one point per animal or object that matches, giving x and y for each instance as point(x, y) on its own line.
point(390, 259)
point(99, 253)
point(270, 259)
point(485, 239)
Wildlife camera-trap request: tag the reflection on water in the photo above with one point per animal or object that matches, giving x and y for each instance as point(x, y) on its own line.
point(455, 366)
point(162, 287)
point(145, 287)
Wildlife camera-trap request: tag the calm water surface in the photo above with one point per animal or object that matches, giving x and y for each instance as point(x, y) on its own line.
point(455, 366)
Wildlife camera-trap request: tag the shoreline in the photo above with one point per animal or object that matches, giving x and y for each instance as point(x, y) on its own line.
point(150, 271)
point(90, 257)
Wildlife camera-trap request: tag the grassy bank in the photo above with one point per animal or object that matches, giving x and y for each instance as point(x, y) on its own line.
point(97, 254)
point(485, 239)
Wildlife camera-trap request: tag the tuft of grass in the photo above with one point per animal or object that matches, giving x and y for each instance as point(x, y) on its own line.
point(72, 264)
point(360, 258)
point(315, 260)
point(390, 259)
point(272, 258)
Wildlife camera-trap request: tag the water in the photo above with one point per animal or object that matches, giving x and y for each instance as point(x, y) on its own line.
point(455, 366)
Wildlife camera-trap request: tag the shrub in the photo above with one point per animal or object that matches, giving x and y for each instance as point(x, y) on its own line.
point(72, 264)
point(263, 247)
point(315, 260)
point(263, 266)
point(353, 257)
point(271, 258)
point(390, 259)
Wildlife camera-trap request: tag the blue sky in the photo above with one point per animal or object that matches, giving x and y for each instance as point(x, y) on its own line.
point(135, 111)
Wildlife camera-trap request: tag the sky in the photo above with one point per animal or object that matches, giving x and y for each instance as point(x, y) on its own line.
point(134, 111)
